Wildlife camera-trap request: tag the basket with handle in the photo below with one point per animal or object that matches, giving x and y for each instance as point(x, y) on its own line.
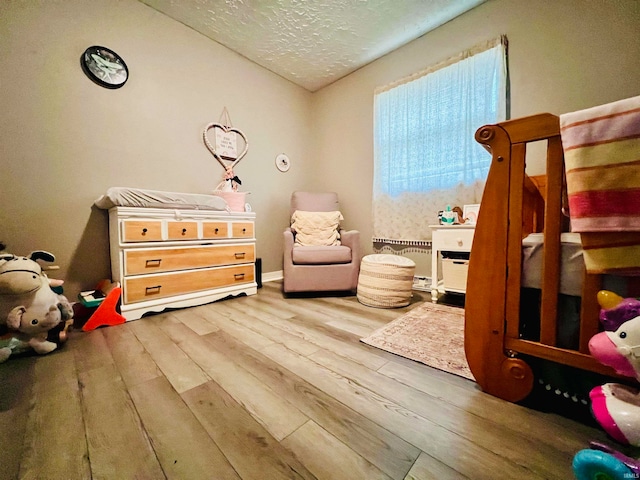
point(235, 200)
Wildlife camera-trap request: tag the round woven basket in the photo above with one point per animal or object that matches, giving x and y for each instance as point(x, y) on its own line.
point(385, 281)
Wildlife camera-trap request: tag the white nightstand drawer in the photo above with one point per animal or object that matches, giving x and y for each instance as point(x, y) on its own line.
point(449, 238)
point(453, 239)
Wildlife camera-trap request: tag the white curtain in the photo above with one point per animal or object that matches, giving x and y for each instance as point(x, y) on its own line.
point(425, 153)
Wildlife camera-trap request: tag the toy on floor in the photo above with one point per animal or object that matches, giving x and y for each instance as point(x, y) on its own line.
point(616, 407)
point(29, 308)
point(601, 462)
point(106, 313)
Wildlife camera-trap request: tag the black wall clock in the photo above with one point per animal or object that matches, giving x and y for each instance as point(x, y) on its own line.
point(104, 66)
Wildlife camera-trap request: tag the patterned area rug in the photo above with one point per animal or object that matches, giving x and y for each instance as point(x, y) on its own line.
point(432, 334)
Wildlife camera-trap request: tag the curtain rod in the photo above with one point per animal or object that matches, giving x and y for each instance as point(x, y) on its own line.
point(480, 47)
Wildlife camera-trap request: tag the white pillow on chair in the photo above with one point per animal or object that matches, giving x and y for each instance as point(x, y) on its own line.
point(316, 228)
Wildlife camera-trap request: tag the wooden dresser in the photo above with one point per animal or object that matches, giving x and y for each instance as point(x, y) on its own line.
point(179, 258)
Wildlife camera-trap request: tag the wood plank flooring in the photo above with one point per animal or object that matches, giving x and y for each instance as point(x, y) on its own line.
point(264, 387)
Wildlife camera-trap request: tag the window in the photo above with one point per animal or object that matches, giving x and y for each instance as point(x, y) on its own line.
point(424, 146)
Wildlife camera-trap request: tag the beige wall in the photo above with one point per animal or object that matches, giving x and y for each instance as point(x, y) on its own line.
point(64, 140)
point(564, 55)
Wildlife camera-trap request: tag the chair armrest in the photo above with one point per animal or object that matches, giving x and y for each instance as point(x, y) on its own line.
point(351, 239)
point(288, 245)
point(288, 236)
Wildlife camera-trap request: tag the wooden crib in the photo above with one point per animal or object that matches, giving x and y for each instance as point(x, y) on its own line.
point(513, 206)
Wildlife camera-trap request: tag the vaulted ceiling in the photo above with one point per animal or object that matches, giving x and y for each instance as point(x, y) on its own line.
point(312, 43)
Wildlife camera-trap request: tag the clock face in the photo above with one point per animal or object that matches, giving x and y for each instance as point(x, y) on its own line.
point(104, 66)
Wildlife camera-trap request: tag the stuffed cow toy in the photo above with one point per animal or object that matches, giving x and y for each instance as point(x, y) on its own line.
point(29, 308)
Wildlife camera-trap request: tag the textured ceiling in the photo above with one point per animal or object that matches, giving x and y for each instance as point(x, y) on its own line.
point(312, 42)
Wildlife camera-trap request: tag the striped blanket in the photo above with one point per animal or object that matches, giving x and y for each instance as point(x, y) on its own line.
point(602, 162)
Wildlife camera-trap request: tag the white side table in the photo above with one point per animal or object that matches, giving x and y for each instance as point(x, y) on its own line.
point(449, 238)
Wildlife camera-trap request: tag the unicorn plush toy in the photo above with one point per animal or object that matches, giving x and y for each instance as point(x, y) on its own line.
point(616, 407)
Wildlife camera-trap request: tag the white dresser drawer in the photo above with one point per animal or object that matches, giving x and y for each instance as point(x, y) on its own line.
point(453, 239)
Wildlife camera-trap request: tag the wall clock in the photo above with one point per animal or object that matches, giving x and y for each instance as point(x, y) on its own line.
point(282, 162)
point(104, 66)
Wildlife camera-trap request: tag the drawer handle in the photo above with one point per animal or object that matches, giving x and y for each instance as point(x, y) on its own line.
point(239, 254)
point(153, 290)
point(244, 230)
point(460, 242)
point(153, 262)
point(238, 276)
point(144, 231)
point(216, 231)
point(184, 231)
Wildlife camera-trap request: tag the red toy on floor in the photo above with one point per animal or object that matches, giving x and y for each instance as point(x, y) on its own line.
point(106, 313)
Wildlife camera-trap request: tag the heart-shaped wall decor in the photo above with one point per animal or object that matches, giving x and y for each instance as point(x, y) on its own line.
point(217, 127)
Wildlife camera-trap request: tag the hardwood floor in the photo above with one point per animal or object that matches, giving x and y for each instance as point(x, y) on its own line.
point(264, 387)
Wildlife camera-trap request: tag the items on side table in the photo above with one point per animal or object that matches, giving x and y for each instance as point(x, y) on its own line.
point(448, 216)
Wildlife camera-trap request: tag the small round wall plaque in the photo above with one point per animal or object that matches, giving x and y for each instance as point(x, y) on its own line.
point(282, 162)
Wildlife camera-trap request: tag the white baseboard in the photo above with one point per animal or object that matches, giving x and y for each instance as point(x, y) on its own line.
point(272, 276)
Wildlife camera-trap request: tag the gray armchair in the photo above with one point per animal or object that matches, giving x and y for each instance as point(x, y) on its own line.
point(320, 268)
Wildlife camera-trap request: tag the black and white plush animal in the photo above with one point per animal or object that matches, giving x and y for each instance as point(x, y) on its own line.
point(29, 308)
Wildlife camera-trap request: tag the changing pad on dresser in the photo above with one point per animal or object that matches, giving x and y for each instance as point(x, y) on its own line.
point(137, 197)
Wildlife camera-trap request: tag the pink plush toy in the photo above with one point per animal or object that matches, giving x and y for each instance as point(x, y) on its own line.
point(616, 407)
point(619, 345)
point(28, 329)
point(231, 180)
